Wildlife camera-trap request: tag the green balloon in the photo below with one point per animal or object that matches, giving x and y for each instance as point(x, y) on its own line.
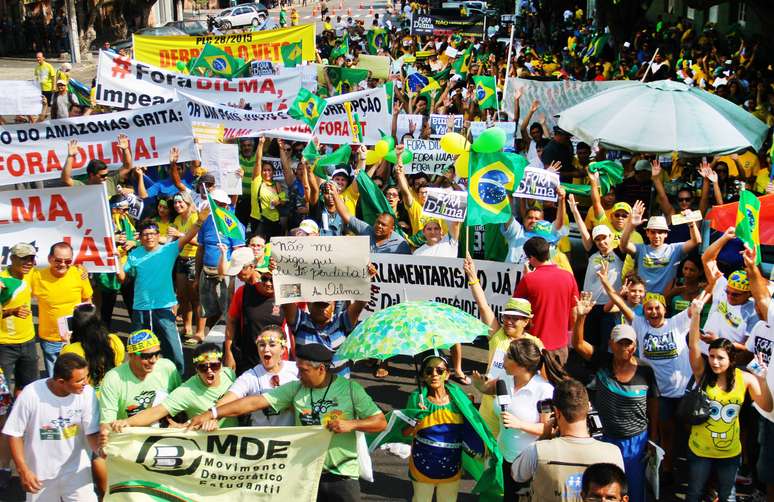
point(407, 157)
point(392, 157)
point(180, 66)
point(389, 140)
point(492, 140)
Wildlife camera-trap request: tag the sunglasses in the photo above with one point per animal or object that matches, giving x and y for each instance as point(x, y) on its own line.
point(436, 370)
point(62, 261)
point(147, 356)
point(620, 215)
point(203, 367)
point(102, 176)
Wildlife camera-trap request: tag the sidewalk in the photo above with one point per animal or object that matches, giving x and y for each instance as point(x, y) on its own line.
point(20, 68)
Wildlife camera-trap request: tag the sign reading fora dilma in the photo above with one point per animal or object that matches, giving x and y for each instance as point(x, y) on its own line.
point(442, 24)
point(446, 204)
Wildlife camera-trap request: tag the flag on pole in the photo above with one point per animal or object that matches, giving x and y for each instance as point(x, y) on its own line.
point(226, 223)
point(492, 177)
point(748, 222)
point(216, 61)
point(461, 64)
point(291, 54)
point(307, 108)
point(485, 92)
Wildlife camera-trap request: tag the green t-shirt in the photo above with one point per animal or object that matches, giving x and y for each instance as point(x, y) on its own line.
point(111, 182)
point(124, 395)
point(335, 402)
point(194, 397)
point(247, 164)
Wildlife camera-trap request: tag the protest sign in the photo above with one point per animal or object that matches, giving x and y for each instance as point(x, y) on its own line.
point(165, 52)
point(34, 152)
point(127, 83)
point(538, 184)
point(446, 204)
point(428, 156)
point(679, 218)
point(476, 128)
point(320, 269)
point(404, 277)
point(136, 205)
point(438, 124)
point(222, 161)
point(378, 65)
point(20, 97)
point(442, 24)
point(261, 68)
point(42, 217)
point(554, 97)
point(408, 122)
point(234, 464)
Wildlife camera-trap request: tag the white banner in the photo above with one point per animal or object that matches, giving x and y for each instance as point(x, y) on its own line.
point(428, 156)
point(222, 161)
point(20, 97)
point(554, 97)
point(438, 124)
point(446, 204)
point(408, 124)
point(78, 215)
point(538, 184)
point(320, 269)
point(405, 277)
point(34, 152)
point(127, 83)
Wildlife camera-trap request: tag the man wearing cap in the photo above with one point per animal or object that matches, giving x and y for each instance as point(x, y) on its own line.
point(63, 101)
point(252, 309)
point(626, 394)
point(318, 397)
point(324, 211)
point(559, 149)
point(142, 381)
point(638, 186)
point(732, 314)
point(309, 228)
point(657, 261)
point(151, 265)
point(212, 286)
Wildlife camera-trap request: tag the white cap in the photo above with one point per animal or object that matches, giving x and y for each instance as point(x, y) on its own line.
point(657, 223)
point(240, 258)
point(221, 196)
point(600, 230)
point(623, 332)
point(309, 227)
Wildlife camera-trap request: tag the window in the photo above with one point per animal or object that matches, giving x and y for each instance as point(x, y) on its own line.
point(712, 16)
point(670, 6)
point(690, 13)
point(742, 13)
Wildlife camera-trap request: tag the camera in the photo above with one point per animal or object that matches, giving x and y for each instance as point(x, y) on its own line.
point(545, 406)
point(594, 423)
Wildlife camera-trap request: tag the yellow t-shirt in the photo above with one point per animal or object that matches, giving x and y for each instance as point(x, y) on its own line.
point(635, 238)
point(748, 161)
point(761, 181)
point(189, 251)
point(15, 329)
point(350, 197)
point(718, 437)
point(57, 297)
point(418, 219)
point(261, 206)
point(116, 344)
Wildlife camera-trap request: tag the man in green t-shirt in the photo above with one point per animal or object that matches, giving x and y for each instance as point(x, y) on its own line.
point(144, 380)
point(198, 394)
point(319, 397)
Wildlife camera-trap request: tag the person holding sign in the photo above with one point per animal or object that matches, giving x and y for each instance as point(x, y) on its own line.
point(438, 244)
point(266, 197)
point(414, 203)
point(318, 397)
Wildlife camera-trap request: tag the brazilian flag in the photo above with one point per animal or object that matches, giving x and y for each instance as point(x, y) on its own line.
point(595, 47)
point(341, 50)
point(226, 223)
point(291, 54)
point(443, 74)
point(339, 157)
point(492, 177)
point(339, 75)
point(307, 108)
point(485, 92)
point(748, 222)
point(430, 88)
point(10, 288)
point(375, 40)
point(217, 62)
point(462, 63)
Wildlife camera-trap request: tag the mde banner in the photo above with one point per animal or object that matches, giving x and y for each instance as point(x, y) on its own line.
point(127, 83)
point(234, 464)
point(165, 52)
point(405, 277)
point(78, 215)
point(34, 152)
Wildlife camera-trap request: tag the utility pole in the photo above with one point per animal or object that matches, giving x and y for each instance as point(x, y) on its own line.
point(75, 46)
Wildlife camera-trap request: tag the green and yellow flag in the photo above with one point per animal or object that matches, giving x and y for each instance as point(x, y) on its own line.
point(217, 62)
point(431, 88)
point(748, 222)
point(291, 54)
point(492, 177)
point(307, 108)
point(341, 50)
point(339, 157)
point(485, 92)
point(375, 39)
point(339, 75)
point(461, 63)
point(10, 287)
point(226, 223)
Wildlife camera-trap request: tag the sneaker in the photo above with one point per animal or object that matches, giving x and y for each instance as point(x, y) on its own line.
point(744, 476)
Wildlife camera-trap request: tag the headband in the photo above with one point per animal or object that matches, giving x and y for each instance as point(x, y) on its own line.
point(208, 357)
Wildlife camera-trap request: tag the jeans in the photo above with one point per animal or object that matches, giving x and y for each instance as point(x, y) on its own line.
point(335, 488)
point(699, 469)
point(165, 329)
point(51, 351)
point(19, 362)
point(633, 451)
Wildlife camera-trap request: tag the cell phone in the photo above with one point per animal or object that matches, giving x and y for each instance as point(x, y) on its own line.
point(755, 368)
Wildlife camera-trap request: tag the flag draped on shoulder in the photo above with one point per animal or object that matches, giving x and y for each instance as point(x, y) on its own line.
point(485, 92)
point(307, 108)
point(226, 223)
point(492, 177)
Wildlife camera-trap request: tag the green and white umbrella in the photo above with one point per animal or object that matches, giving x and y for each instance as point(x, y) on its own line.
point(410, 328)
point(662, 117)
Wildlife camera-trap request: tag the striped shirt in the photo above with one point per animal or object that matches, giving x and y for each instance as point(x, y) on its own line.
point(332, 335)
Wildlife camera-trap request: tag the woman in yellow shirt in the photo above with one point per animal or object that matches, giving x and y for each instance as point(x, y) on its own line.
point(715, 444)
point(185, 266)
point(266, 196)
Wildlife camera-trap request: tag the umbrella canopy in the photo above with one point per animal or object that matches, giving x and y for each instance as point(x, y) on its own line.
point(410, 328)
point(662, 117)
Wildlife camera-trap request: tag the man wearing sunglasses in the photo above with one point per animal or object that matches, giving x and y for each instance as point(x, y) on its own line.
point(142, 381)
point(196, 395)
point(58, 289)
point(96, 170)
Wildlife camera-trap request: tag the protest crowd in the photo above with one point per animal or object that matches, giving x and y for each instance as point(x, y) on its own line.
point(625, 308)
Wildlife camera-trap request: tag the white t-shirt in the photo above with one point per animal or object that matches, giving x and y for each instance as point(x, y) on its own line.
point(666, 349)
point(446, 248)
point(54, 429)
point(258, 381)
point(524, 407)
point(733, 322)
point(762, 341)
point(592, 283)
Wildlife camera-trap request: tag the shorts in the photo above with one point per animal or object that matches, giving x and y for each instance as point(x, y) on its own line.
point(72, 487)
point(667, 408)
point(187, 267)
point(213, 295)
point(766, 452)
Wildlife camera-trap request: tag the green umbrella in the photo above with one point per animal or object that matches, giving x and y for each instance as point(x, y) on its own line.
point(410, 328)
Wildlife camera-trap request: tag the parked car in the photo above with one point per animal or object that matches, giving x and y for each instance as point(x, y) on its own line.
point(192, 27)
point(241, 15)
point(157, 31)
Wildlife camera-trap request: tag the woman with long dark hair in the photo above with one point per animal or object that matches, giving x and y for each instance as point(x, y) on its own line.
point(90, 339)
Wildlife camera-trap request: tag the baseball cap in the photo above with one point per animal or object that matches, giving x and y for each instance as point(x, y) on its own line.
point(622, 206)
point(240, 258)
point(60, 81)
point(221, 196)
point(543, 229)
point(623, 332)
point(206, 178)
point(657, 223)
point(739, 281)
point(518, 307)
point(140, 340)
point(642, 165)
point(340, 171)
point(600, 230)
point(22, 250)
point(309, 227)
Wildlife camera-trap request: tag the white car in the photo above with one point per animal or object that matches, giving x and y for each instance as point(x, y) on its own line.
point(241, 15)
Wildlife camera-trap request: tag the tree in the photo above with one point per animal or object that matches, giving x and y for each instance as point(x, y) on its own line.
point(623, 17)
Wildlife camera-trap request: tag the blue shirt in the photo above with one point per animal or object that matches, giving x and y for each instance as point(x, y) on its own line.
point(152, 271)
point(394, 245)
point(658, 267)
point(208, 238)
point(332, 335)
